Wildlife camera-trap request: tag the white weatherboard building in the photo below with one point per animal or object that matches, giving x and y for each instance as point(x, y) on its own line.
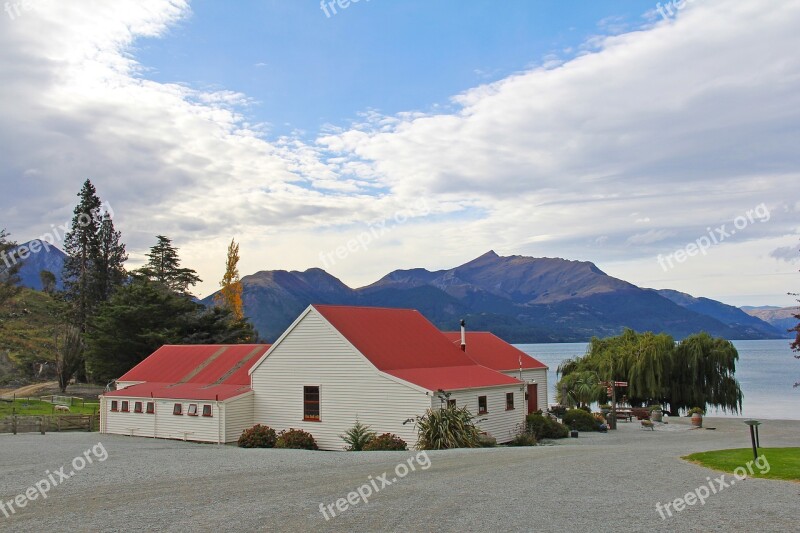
point(197, 392)
point(333, 365)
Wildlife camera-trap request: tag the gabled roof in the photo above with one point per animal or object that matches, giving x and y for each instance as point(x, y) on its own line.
point(404, 344)
point(493, 352)
point(198, 371)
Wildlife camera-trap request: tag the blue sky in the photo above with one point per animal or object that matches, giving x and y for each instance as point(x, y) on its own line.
point(416, 134)
point(306, 70)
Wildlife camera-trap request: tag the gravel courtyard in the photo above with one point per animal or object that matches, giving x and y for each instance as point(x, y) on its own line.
point(598, 482)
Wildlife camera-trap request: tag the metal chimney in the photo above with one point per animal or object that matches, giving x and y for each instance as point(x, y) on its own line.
point(463, 336)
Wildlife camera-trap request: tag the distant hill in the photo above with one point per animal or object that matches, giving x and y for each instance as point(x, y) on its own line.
point(45, 258)
point(727, 314)
point(521, 299)
point(781, 318)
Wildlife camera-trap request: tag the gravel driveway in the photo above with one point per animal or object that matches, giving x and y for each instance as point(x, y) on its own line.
point(598, 482)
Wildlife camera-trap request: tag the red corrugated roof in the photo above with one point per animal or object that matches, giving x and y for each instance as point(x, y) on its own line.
point(185, 391)
point(198, 363)
point(403, 343)
point(491, 351)
point(453, 377)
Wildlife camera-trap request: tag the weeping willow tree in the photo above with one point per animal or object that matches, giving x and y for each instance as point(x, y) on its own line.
point(697, 372)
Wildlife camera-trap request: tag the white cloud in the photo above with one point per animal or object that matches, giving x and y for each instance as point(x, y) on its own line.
point(687, 123)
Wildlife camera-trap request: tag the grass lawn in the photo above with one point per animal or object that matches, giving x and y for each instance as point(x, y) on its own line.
point(38, 407)
point(784, 463)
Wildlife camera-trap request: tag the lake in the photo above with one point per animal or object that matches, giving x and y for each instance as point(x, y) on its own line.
point(766, 371)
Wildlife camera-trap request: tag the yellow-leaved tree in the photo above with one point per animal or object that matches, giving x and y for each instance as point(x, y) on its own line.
point(230, 295)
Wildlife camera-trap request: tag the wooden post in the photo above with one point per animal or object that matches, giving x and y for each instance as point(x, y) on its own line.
point(41, 424)
point(14, 424)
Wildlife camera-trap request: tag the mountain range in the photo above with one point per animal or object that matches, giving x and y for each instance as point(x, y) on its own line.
point(521, 299)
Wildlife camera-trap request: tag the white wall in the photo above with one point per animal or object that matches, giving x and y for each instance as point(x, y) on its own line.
point(225, 424)
point(540, 376)
point(313, 353)
point(238, 416)
point(502, 424)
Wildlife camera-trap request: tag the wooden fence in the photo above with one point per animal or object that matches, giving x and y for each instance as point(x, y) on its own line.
point(41, 424)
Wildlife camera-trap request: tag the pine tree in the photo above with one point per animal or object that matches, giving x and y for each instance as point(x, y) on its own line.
point(111, 259)
point(164, 267)
point(82, 247)
point(230, 296)
point(9, 267)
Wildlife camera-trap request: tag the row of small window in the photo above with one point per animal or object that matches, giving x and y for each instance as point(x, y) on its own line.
point(177, 409)
point(483, 406)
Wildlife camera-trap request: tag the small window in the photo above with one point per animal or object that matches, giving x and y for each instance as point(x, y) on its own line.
point(151, 408)
point(125, 406)
point(177, 409)
point(192, 409)
point(311, 403)
point(451, 403)
point(509, 401)
point(206, 410)
point(137, 407)
point(114, 405)
point(482, 405)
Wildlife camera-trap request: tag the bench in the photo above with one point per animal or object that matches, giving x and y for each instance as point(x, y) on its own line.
point(627, 415)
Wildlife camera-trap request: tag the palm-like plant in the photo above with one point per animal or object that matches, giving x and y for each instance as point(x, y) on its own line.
point(450, 427)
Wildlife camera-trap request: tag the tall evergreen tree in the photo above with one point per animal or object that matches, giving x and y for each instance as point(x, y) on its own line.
point(164, 267)
point(144, 315)
point(110, 260)
point(10, 264)
point(82, 247)
point(230, 296)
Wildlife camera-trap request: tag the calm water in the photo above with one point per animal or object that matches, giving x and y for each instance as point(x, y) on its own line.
point(766, 372)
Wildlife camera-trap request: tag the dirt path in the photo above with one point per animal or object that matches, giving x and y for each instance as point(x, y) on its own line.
point(30, 390)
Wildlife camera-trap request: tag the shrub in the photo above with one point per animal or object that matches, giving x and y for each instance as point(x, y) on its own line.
point(451, 427)
point(580, 420)
point(257, 436)
point(558, 410)
point(386, 442)
point(655, 408)
point(486, 441)
point(694, 410)
point(296, 439)
point(585, 408)
point(544, 427)
point(523, 439)
point(599, 417)
point(357, 437)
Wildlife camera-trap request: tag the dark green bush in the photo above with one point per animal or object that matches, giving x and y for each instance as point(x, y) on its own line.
point(544, 427)
point(357, 437)
point(386, 442)
point(580, 420)
point(523, 439)
point(258, 436)
point(558, 410)
point(296, 439)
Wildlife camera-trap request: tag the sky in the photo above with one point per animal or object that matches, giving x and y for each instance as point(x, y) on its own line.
point(657, 140)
